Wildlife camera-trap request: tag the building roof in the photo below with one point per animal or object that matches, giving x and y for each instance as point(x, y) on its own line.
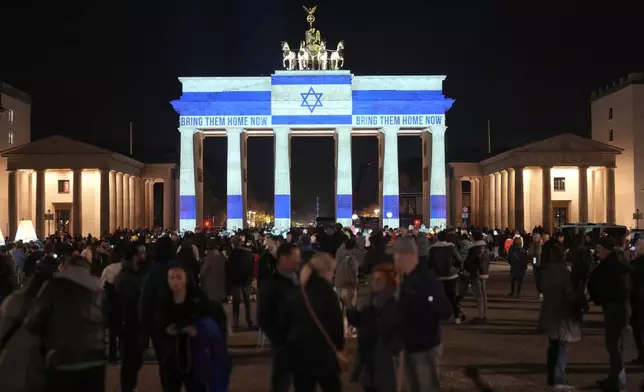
point(13, 92)
point(562, 150)
point(631, 79)
point(59, 152)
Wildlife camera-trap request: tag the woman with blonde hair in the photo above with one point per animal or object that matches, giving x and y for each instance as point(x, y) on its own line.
point(316, 333)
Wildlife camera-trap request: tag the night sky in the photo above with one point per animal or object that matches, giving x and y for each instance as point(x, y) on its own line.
point(529, 67)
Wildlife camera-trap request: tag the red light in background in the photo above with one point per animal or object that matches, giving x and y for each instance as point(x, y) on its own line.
point(417, 222)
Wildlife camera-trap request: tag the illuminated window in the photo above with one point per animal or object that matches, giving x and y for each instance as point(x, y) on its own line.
point(10, 140)
point(610, 113)
point(63, 186)
point(560, 184)
point(10, 116)
point(611, 136)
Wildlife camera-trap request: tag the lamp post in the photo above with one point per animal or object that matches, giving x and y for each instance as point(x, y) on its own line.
point(354, 218)
point(388, 215)
point(637, 217)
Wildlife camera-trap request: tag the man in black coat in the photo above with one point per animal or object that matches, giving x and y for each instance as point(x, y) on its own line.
point(610, 286)
point(423, 304)
point(127, 287)
point(273, 312)
point(239, 272)
point(67, 316)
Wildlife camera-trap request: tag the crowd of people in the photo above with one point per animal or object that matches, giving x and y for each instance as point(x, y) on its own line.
point(64, 299)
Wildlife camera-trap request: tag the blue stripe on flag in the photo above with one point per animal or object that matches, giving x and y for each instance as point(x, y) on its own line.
point(222, 108)
point(226, 96)
point(187, 207)
point(282, 206)
point(315, 120)
point(438, 207)
point(391, 203)
point(344, 206)
point(310, 79)
point(400, 107)
point(234, 207)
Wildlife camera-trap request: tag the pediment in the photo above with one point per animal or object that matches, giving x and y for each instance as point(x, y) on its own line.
point(56, 145)
point(568, 143)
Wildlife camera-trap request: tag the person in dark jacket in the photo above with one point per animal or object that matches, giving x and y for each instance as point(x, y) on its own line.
point(313, 360)
point(379, 340)
point(445, 262)
point(610, 286)
point(518, 260)
point(127, 289)
point(267, 263)
point(152, 296)
point(306, 248)
point(239, 273)
point(273, 312)
point(637, 302)
point(182, 307)
point(477, 264)
point(67, 316)
point(8, 282)
point(580, 259)
point(422, 306)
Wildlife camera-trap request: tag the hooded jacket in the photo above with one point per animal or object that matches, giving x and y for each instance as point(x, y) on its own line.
point(444, 260)
point(67, 316)
point(610, 282)
point(477, 262)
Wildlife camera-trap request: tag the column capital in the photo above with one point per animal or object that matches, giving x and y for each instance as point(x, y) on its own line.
point(344, 129)
point(188, 130)
point(389, 129)
point(583, 167)
point(438, 129)
point(236, 130)
point(517, 168)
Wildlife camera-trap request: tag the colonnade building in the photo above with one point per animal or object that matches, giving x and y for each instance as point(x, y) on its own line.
point(566, 178)
point(63, 185)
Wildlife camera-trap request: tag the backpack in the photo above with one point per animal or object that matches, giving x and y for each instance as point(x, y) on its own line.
point(347, 271)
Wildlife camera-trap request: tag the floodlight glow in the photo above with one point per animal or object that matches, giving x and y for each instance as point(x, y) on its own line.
point(1, 238)
point(26, 232)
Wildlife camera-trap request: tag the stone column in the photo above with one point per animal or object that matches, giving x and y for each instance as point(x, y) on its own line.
point(39, 224)
point(282, 206)
point(390, 182)
point(344, 184)
point(77, 205)
point(113, 210)
point(426, 140)
point(132, 202)
point(13, 206)
point(511, 206)
point(519, 209)
point(187, 189)
point(498, 201)
point(546, 209)
point(438, 199)
point(476, 203)
point(583, 194)
point(473, 204)
point(610, 195)
point(119, 200)
point(244, 164)
point(234, 198)
point(136, 202)
point(168, 203)
point(198, 157)
point(493, 196)
point(504, 199)
point(146, 203)
point(458, 201)
point(151, 203)
point(105, 202)
point(381, 170)
point(126, 201)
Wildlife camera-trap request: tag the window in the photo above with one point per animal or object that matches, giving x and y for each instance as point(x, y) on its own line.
point(611, 135)
point(10, 139)
point(10, 116)
point(560, 184)
point(63, 186)
point(610, 113)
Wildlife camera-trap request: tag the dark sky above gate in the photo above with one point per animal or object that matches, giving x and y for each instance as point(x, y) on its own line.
point(529, 67)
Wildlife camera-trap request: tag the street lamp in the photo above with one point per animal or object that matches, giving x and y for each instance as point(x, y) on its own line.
point(388, 215)
point(354, 218)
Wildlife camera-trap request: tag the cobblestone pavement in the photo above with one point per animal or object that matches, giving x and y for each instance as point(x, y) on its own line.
point(508, 350)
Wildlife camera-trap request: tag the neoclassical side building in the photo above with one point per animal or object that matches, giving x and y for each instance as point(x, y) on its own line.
point(63, 184)
point(566, 178)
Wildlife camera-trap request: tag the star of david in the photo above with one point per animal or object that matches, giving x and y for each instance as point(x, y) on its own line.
point(311, 94)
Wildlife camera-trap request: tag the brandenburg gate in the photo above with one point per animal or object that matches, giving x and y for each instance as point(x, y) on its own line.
point(312, 96)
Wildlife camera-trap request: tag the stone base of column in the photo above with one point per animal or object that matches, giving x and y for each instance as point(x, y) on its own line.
point(234, 224)
point(283, 212)
point(283, 224)
point(345, 222)
point(187, 211)
point(438, 211)
point(392, 223)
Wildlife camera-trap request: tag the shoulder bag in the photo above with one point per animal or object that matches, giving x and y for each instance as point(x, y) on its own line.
point(343, 361)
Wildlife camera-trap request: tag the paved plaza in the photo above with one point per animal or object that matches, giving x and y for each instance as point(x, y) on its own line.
point(509, 351)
